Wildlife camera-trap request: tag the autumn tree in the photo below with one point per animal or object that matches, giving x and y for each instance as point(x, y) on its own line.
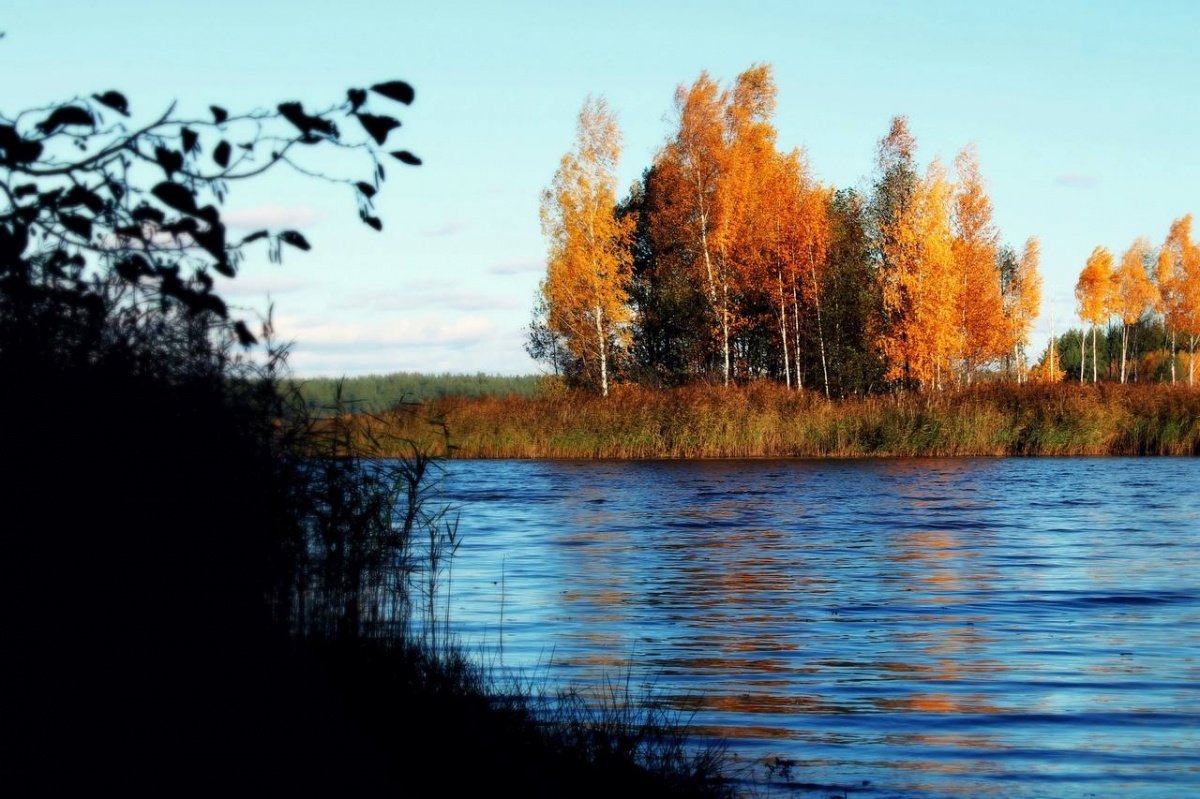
point(980, 306)
point(1022, 303)
point(589, 263)
point(672, 330)
point(1132, 291)
point(1093, 292)
point(751, 249)
point(808, 244)
point(1178, 277)
point(689, 170)
point(922, 328)
point(891, 210)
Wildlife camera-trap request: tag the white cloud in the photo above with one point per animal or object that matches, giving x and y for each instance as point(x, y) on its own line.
point(1073, 180)
point(411, 298)
point(420, 331)
point(257, 287)
point(272, 215)
point(518, 267)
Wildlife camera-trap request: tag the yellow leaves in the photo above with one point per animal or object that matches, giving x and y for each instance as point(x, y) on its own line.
point(589, 262)
point(976, 243)
point(1132, 291)
point(921, 296)
point(1093, 288)
point(1027, 292)
point(1179, 278)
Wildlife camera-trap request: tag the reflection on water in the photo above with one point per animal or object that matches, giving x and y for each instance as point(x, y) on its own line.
point(911, 628)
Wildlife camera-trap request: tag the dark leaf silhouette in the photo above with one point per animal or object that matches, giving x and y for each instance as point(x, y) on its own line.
point(147, 213)
point(295, 239)
point(170, 160)
point(184, 225)
point(373, 221)
point(366, 188)
point(130, 231)
point(14, 149)
point(78, 195)
point(79, 225)
point(245, 337)
point(190, 139)
point(396, 90)
point(114, 100)
point(209, 214)
point(357, 97)
point(406, 157)
point(65, 116)
point(378, 126)
point(213, 240)
point(219, 113)
point(24, 190)
point(255, 236)
point(223, 266)
point(221, 153)
point(211, 302)
point(133, 267)
point(294, 113)
point(175, 196)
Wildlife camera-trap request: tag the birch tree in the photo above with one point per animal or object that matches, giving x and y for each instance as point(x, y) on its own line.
point(589, 263)
point(1132, 292)
point(1179, 284)
point(1093, 291)
point(1023, 301)
point(921, 296)
point(980, 305)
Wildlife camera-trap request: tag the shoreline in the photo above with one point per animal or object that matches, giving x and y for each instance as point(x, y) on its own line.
point(761, 421)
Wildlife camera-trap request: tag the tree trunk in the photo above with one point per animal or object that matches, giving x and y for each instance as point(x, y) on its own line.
point(1125, 346)
point(796, 331)
point(1082, 354)
point(1172, 357)
point(1192, 362)
point(725, 327)
point(603, 352)
point(820, 332)
point(1095, 356)
point(783, 332)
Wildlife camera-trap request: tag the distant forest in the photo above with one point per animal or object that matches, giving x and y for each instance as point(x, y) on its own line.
point(376, 393)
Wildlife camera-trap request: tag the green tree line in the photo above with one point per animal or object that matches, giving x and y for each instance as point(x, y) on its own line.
point(376, 393)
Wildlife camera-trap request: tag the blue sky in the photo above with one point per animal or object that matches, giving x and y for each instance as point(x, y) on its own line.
point(1085, 116)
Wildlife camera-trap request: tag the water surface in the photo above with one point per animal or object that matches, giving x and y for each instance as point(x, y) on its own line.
point(898, 628)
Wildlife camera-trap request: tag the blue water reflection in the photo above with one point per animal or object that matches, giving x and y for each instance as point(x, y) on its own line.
point(908, 628)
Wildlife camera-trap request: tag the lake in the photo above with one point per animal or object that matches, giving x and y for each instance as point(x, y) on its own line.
point(897, 628)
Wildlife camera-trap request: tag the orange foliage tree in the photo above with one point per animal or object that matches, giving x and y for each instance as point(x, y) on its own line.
point(1093, 292)
point(810, 236)
point(1133, 292)
point(689, 171)
point(1022, 303)
point(921, 293)
point(1179, 283)
point(588, 267)
point(751, 245)
point(980, 306)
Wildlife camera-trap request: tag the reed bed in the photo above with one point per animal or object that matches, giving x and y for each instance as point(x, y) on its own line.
point(767, 420)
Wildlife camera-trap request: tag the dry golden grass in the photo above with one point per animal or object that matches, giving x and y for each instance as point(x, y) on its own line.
point(767, 420)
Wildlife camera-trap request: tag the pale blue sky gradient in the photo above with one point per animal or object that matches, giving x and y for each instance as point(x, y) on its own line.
point(1085, 116)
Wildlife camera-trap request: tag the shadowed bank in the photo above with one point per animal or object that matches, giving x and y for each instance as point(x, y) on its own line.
point(205, 589)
